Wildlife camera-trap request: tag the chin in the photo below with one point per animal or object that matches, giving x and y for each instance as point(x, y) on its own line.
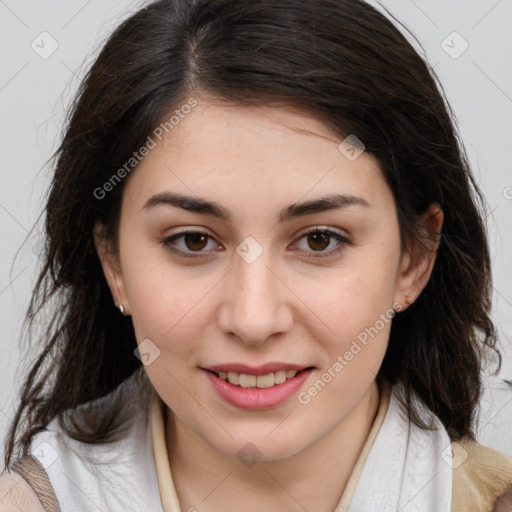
point(259, 447)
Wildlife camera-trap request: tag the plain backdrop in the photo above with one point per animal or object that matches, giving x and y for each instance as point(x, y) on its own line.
point(46, 48)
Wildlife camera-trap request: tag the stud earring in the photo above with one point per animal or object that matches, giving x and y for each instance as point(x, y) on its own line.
point(121, 308)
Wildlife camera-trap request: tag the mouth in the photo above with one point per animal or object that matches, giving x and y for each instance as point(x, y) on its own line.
point(266, 381)
point(260, 388)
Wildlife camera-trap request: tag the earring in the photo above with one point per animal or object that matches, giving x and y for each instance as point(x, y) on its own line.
point(121, 308)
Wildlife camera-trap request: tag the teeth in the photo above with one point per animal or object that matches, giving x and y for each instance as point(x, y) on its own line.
point(265, 381)
point(257, 381)
point(279, 377)
point(247, 381)
point(234, 378)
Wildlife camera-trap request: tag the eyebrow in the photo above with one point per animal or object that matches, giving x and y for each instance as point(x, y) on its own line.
point(292, 211)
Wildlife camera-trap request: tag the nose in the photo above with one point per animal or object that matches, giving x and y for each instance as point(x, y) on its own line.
point(255, 301)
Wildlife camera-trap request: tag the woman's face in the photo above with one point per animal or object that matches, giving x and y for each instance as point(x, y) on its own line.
point(256, 292)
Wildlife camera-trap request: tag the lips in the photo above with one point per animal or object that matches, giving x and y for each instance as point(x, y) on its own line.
point(261, 387)
point(268, 380)
point(263, 369)
point(263, 376)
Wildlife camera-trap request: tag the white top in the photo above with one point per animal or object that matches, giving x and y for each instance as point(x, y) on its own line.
point(168, 493)
point(118, 476)
point(125, 475)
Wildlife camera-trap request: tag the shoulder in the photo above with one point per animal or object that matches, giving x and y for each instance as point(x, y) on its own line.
point(16, 495)
point(482, 477)
point(117, 471)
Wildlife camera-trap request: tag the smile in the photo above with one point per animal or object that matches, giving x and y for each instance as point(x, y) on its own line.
point(269, 380)
point(257, 392)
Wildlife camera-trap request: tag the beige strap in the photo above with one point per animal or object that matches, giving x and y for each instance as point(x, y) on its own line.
point(350, 488)
point(33, 472)
point(480, 476)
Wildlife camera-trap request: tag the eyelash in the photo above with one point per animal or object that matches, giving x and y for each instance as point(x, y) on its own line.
point(167, 242)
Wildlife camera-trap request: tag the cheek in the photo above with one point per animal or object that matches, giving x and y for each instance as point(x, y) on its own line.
point(356, 312)
point(359, 315)
point(161, 295)
point(355, 299)
point(168, 311)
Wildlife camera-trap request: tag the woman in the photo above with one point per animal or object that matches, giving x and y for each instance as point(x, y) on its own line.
point(272, 273)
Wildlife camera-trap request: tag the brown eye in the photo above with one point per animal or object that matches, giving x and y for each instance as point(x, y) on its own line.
point(189, 243)
point(195, 241)
point(318, 240)
point(325, 242)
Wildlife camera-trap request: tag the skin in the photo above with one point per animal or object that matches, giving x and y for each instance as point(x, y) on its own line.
point(283, 306)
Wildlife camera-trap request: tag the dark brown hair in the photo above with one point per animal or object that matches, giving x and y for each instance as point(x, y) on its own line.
point(348, 65)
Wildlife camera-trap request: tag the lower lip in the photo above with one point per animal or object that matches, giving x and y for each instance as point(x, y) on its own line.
point(258, 398)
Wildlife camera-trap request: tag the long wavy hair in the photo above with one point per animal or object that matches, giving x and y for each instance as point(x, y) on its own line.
point(353, 69)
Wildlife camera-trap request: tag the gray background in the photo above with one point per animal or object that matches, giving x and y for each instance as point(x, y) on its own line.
point(36, 87)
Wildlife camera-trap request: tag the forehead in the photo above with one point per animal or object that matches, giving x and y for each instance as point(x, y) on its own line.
point(252, 157)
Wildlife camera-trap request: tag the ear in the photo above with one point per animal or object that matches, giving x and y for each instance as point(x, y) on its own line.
point(111, 267)
point(418, 260)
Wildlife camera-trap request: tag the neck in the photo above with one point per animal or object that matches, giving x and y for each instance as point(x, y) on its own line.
point(207, 480)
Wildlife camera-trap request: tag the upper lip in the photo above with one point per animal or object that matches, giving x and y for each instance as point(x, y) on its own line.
point(263, 369)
